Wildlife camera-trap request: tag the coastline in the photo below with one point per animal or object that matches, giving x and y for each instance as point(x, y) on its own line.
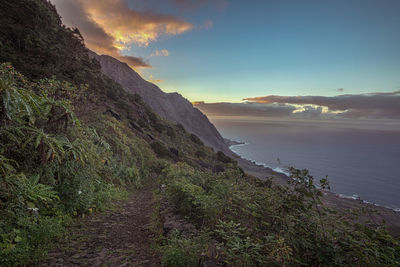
point(378, 215)
point(230, 142)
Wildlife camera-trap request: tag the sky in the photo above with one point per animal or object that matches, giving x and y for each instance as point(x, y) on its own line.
point(295, 56)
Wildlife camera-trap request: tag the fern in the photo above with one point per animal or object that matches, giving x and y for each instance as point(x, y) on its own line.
point(76, 150)
point(50, 146)
point(6, 165)
point(29, 188)
point(18, 102)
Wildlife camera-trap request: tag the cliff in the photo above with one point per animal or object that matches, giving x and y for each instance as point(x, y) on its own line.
point(171, 106)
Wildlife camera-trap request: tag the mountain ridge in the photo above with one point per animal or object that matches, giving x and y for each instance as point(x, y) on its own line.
point(171, 106)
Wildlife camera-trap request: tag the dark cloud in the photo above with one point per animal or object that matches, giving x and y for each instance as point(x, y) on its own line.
point(340, 89)
point(73, 15)
point(245, 109)
point(132, 61)
point(374, 105)
point(362, 106)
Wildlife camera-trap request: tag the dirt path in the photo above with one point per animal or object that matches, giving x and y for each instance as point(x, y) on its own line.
point(116, 238)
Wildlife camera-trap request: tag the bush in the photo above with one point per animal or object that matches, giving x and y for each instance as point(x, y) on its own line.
point(153, 117)
point(159, 127)
point(261, 224)
point(160, 149)
point(189, 189)
point(180, 127)
point(183, 251)
point(136, 98)
point(238, 247)
point(174, 152)
point(224, 158)
point(200, 154)
point(171, 132)
point(142, 123)
point(195, 139)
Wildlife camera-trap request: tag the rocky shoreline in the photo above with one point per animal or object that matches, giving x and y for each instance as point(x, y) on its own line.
point(376, 215)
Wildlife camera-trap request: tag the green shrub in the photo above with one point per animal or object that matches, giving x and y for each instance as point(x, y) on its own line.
point(262, 224)
point(200, 154)
point(171, 132)
point(180, 127)
point(136, 98)
point(238, 247)
point(224, 158)
point(180, 251)
point(142, 123)
point(159, 127)
point(189, 189)
point(195, 139)
point(160, 149)
point(30, 237)
point(153, 117)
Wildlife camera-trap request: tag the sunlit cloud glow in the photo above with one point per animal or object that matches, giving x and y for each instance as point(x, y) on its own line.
point(110, 26)
point(361, 106)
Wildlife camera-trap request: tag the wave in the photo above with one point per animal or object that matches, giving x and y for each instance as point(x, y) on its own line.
point(282, 171)
point(237, 145)
point(275, 169)
point(357, 197)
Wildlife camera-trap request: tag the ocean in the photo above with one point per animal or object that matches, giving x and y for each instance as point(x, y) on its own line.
point(361, 161)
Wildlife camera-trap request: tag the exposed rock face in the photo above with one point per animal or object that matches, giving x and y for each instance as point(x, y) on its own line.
point(171, 106)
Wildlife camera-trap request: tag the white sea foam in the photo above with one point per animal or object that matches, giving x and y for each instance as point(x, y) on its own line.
point(281, 170)
point(357, 197)
point(275, 169)
point(237, 145)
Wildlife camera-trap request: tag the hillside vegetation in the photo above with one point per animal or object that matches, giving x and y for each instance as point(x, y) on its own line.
point(72, 141)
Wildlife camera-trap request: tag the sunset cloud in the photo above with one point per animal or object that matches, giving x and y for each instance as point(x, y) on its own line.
point(389, 101)
point(129, 26)
point(244, 109)
point(360, 106)
point(110, 26)
point(154, 80)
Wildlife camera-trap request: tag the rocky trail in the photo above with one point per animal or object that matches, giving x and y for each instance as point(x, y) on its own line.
point(115, 238)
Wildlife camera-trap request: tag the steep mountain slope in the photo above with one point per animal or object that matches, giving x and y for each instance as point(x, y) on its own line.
point(171, 106)
point(71, 138)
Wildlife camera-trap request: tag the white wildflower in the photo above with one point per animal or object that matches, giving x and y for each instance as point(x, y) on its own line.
point(34, 209)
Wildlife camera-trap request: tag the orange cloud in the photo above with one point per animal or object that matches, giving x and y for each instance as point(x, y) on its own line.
point(372, 105)
point(110, 26)
point(153, 80)
point(128, 26)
